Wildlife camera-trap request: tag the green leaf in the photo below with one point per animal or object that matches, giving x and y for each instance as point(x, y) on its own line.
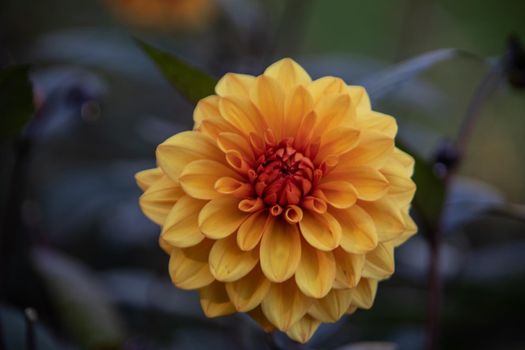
point(430, 194)
point(381, 83)
point(16, 100)
point(189, 81)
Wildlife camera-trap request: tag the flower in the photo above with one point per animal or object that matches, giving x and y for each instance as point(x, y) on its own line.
point(286, 201)
point(164, 14)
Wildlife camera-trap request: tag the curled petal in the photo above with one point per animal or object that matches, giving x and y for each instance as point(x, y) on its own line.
point(181, 228)
point(321, 231)
point(189, 268)
point(316, 272)
point(251, 230)
point(251, 205)
point(230, 141)
point(220, 217)
point(284, 305)
point(332, 307)
point(215, 301)
point(146, 178)
point(180, 150)
point(280, 250)
point(303, 329)
point(248, 292)
point(293, 214)
point(230, 185)
point(199, 177)
point(288, 73)
point(228, 263)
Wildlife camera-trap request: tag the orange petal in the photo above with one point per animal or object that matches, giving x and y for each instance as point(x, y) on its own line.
point(215, 301)
point(380, 262)
point(373, 150)
point(332, 307)
point(248, 292)
point(303, 329)
point(220, 217)
point(322, 231)
point(159, 199)
point(181, 228)
point(337, 142)
point(387, 217)
point(237, 188)
point(284, 304)
point(280, 250)
point(364, 294)
point(369, 183)
point(324, 86)
point(234, 84)
point(358, 230)
point(228, 263)
point(188, 267)
point(288, 73)
point(349, 268)
point(293, 214)
point(146, 178)
point(339, 194)
point(206, 109)
point(297, 105)
point(198, 178)
point(242, 114)
point(410, 230)
point(228, 141)
point(180, 150)
point(332, 111)
point(251, 230)
point(378, 122)
point(267, 95)
point(316, 272)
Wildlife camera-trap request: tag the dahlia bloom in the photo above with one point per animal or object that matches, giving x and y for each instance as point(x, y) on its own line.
point(286, 201)
point(164, 14)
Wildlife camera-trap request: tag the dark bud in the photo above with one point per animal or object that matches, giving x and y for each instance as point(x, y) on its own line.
point(446, 158)
point(515, 63)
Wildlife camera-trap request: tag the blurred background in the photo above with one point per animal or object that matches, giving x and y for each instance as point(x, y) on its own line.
point(76, 248)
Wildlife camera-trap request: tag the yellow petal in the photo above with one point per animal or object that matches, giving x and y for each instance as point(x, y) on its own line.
point(322, 231)
point(288, 73)
point(349, 268)
point(332, 111)
point(280, 250)
point(380, 262)
point(370, 183)
point(258, 316)
point(234, 84)
point(228, 141)
point(181, 228)
point(198, 178)
point(268, 97)
point(146, 178)
point(339, 194)
point(378, 122)
point(206, 109)
point(410, 230)
point(237, 188)
point(324, 86)
point(337, 142)
point(158, 199)
point(284, 304)
point(215, 301)
point(303, 329)
point(316, 272)
point(165, 246)
point(364, 294)
point(179, 150)
point(251, 230)
point(297, 105)
point(228, 263)
point(332, 307)
point(373, 150)
point(220, 217)
point(387, 217)
point(360, 99)
point(188, 267)
point(358, 230)
point(402, 189)
point(242, 114)
point(248, 292)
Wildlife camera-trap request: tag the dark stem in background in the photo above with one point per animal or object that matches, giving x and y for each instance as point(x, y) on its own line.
point(30, 318)
point(487, 85)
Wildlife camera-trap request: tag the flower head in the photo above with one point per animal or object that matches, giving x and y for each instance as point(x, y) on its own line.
point(286, 201)
point(164, 14)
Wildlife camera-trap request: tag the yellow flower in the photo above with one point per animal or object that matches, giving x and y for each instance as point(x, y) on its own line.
point(286, 201)
point(164, 14)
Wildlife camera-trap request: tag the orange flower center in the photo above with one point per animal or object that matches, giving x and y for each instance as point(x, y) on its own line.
point(283, 175)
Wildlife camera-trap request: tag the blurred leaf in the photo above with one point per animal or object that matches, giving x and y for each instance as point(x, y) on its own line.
point(382, 83)
point(189, 81)
point(16, 100)
point(430, 194)
point(84, 306)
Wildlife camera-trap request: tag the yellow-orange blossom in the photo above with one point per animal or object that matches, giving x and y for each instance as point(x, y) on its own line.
point(286, 201)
